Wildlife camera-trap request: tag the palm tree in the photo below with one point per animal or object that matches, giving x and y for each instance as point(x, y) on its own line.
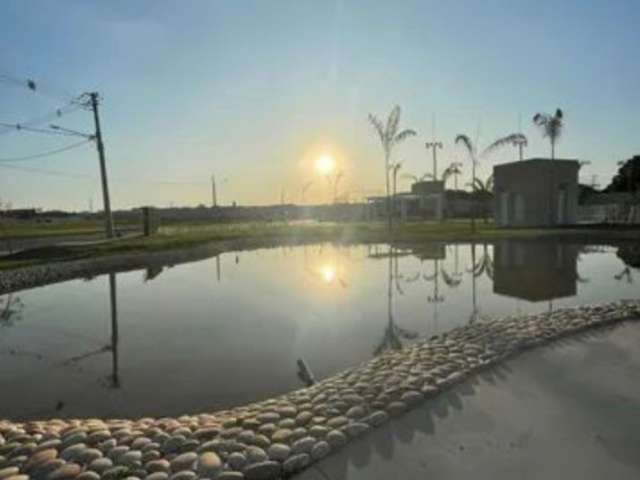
point(416, 179)
point(390, 136)
point(483, 191)
point(551, 126)
point(516, 139)
point(395, 168)
point(466, 142)
point(452, 170)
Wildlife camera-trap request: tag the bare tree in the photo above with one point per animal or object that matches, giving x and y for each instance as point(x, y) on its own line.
point(390, 136)
point(551, 126)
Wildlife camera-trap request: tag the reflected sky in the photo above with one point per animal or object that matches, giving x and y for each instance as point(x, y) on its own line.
point(230, 329)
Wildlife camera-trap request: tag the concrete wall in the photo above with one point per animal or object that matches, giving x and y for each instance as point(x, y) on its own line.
point(536, 192)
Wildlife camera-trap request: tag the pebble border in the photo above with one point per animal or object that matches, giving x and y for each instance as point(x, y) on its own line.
point(281, 436)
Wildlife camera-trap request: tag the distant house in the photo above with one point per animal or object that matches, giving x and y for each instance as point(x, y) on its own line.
point(19, 213)
point(426, 200)
point(536, 192)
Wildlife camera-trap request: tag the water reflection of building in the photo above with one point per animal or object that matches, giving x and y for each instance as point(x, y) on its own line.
point(535, 271)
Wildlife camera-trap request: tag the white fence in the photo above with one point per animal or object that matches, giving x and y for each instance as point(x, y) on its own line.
point(612, 213)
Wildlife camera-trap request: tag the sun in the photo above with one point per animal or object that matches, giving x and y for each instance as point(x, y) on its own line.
point(325, 164)
point(328, 273)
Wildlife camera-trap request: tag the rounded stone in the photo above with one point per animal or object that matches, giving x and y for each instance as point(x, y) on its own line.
point(8, 472)
point(230, 475)
point(130, 458)
point(267, 470)
point(256, 454)
point(281, 435)
point(41, 457)
point(337, 422)
point(161, 465)
point(88, 475)
point(209, 464)
point(303, 418)
point(396, 408)
point(73, 452)
point(357, 411)
point(65, 472)
point(320, 450)
point(279, 452)
point(184, 475)
point(356, 429)
point(411, 397)
point(157, 476)
point(336, 438)
point(304, 445)
point(184, 461)
point(18, 477)
point(100, 465)
point(377, 418)
point(296, 463)
point(237, 460)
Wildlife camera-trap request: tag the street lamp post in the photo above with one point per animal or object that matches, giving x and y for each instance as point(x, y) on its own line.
point(434, 146)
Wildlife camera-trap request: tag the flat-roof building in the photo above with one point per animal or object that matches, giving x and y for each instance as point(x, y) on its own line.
point(536, 192)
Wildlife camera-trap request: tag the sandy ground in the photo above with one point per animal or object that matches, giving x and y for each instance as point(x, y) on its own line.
point(570, 410)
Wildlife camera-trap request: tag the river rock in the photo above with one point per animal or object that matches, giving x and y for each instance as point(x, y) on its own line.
point(304, 445)
point(157, 476)
point(88, 475)
point(237, 460)
point(230, 475)
point(184, 461)
point(279, 452)
point(161, 465)
point(209, 464)
point(320, 450)
point(65, 472)
point(100, 465)
point(256, 454)
point(296, 463)
point(336, 438)
point(267, 470)
point(184, 475)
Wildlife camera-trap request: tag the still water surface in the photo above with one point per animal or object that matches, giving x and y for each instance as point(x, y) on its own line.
point(229, 329)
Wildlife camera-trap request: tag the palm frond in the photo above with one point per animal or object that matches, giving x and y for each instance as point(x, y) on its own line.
point(403, 135)
point(464, 140)
point(377, 124)
point(410, 176)
point(511, 139)
point(392, 123)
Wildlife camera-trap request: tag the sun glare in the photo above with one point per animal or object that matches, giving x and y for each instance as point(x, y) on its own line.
point(325, 164)
point(328, 273)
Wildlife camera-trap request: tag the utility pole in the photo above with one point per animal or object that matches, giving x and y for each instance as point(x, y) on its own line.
point(434, 145)
point(214, 193)
point(520, 143)
point(93, 101)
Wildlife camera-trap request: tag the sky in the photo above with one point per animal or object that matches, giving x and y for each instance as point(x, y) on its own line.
point(255, 91)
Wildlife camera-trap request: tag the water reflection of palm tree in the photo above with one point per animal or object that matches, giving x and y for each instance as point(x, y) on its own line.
point(484, 265)
point(625, 274)
point(474, 298)
point(435, 298)
point(454, 279)
point(393, 334)
point(11, 308)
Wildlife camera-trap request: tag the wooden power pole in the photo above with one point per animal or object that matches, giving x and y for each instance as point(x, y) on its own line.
point(94, 100)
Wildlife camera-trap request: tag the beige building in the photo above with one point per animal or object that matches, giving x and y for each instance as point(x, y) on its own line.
point(536, 192)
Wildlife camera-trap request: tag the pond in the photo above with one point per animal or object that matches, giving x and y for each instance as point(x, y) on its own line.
point(229, 329)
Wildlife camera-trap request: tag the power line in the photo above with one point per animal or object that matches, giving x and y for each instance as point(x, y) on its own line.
point(20, 127)
point(35, 87)
point(57, 113)
point(44, 154)
point(48, 172)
